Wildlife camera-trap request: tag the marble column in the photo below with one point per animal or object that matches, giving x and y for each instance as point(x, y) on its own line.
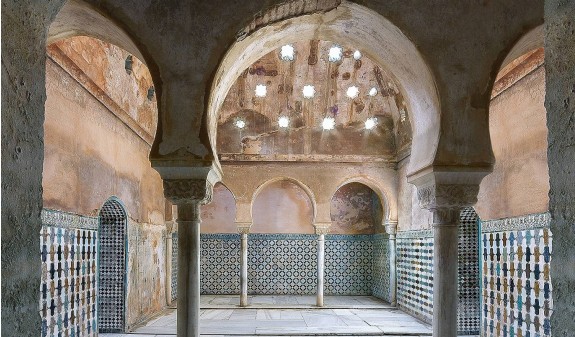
point(391, 229)
point(320, 229)
point(188, 195)
point(244, 229)
point(445, 295)
point(444, 194)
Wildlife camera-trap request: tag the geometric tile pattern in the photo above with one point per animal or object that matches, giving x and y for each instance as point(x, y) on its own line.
point(220, 264)
point(414, 268)
point(380, 267)
point(68, 302)
point(174, 278)
point(282, 264)
point(112, 267)
point(468, 281)
point(516, 284)
point(348, 265)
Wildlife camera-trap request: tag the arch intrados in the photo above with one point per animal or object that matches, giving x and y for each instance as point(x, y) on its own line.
point(532, 40)
point(351, 24)
point(72, 20)
point(382, 196)
point(303, 186)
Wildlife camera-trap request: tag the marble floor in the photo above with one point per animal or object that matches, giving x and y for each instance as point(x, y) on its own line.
point(291, 316)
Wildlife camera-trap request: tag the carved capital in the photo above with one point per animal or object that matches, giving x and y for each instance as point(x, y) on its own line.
point(187, 191)
point(322, 227)
point(244, 227)
point(391, 227)
point(447, 196)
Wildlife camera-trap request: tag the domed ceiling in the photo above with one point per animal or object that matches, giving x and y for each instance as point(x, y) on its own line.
point(314, 101)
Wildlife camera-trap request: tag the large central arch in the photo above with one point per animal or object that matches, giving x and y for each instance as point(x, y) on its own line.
point(374, 35)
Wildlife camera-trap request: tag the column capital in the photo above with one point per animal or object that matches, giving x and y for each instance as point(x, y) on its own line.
point(448, 187)
point(244, 227)
point(188, 191)
point(391, 227)
point(322, 227)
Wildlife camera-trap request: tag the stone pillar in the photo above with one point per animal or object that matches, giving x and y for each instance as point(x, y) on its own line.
point(320, 229)
point(244, 229)
point(391, 229)
point(445, 194)
point(189, 195)
point(170, 229)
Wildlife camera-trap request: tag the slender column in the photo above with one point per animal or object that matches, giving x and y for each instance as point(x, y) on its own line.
point(391, 229)
point(189, 270)
point(244, 229)
point(445, 239)
point(189, 195)
point(320, 230)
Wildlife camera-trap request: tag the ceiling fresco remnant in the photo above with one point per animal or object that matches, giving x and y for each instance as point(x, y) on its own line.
point(314, 101)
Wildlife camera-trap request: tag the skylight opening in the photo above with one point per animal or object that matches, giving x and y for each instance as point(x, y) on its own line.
point(373, 91)
point(240, 124)
point(287, 52)
point(308, 91)
point(335, 54)
point(328, 123)
point(283, 121)
point(261, 90)
point(356, 55)
point(370, 123)
point(352, 92)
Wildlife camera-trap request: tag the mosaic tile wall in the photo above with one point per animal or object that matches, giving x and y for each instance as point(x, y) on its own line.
point(468, 282)
point(348, 264)
point(68, 249)
point(220, 264)
point(516, 283)
point(282, 264)
point(380, 285)
point(415, 274)
point(113, 265)
point(174, 278)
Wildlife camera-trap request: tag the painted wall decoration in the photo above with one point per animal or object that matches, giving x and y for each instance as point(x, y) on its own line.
point(220, 264)
point(348, 265)
point(516, 282)
point(68, 293)
point(380, 268)
point(112, 271)
point(355, 209)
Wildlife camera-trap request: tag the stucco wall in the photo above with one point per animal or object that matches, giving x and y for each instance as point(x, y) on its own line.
point(219, 215)
point(411, 216)
point(90, 155)
point(519, 183)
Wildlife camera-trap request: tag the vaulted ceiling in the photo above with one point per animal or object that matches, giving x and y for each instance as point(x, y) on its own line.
point(283, 107)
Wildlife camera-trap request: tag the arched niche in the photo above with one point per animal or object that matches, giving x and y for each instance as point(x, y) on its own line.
point(112, 266)
point(356, 209)
point(283, 206)
point(219, 215)
point(519, 183)
point(352, 24)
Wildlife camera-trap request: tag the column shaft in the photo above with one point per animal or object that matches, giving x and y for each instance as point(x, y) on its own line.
point(244, 270)
point(188, 270)
point(445, 239)
point(320, 269)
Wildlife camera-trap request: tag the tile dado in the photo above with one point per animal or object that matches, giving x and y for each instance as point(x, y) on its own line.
point(380, 287)
point(68, 290)
point(415, 273)
point(517, 293)
point(220, 264)
point(348, 265)
point(282, 264)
